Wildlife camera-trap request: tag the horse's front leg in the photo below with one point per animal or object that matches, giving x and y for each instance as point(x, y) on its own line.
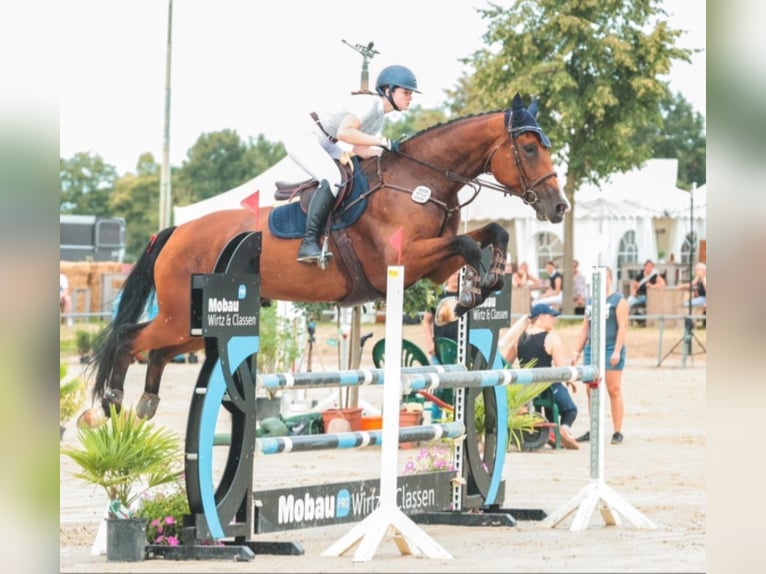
point(496, 237)
point(437, 259)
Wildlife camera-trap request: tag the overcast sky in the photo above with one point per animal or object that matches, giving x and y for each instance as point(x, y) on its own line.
point(251, 66)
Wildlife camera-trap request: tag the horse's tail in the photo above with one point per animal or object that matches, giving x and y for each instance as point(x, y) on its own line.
point(134, 295)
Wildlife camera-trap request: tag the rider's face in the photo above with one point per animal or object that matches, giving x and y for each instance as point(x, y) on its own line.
point(402, 97)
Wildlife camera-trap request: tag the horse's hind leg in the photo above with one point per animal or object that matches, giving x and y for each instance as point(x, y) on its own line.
point(158, 359)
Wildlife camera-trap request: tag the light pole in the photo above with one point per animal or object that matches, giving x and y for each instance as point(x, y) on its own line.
point(165, 199)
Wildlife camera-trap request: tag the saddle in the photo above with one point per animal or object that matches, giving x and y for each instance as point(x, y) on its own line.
point(286, 191)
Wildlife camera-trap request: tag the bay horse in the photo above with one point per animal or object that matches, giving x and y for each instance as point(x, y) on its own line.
point(412, 192)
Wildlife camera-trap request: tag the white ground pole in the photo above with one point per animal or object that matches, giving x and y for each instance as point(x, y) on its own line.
point(388, 519)
point(597, 494)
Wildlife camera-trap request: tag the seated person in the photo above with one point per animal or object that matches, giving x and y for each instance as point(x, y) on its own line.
point(523, 278)
point(554, 294)
point(65, 299)
point(443, 323)
point(698, 286)
point(580, 289)
point(647, 279)
point(533, 340)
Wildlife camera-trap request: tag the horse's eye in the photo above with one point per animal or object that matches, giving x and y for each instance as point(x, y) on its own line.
point(530, 149)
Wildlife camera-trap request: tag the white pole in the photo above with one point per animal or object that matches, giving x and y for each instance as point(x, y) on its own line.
point(388, 519)
point(165, 201)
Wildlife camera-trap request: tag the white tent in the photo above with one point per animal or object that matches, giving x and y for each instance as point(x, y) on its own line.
point(639, 201)
point(284, 170)
point(687, 219)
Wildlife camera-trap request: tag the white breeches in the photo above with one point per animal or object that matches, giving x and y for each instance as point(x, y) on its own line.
point(314, 153)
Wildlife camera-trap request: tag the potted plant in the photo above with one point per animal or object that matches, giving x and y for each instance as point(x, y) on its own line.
point(71, 397)
point(84, 342)
point(126, 456)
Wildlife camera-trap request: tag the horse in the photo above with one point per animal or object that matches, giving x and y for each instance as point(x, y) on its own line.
point(413, 193)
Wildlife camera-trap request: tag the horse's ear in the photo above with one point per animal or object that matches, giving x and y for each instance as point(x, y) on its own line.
point(517, 103)
point(533, 108)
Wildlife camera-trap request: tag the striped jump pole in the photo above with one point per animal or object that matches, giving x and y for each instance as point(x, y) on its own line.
point(497, 377)
point(355, 439)
point(275, 382)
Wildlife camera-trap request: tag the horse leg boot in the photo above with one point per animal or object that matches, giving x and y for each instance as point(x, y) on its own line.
point(316, 218)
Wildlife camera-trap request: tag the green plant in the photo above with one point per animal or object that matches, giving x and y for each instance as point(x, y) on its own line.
point(126, 456)
point(84, 342)
point(164, 512)
point(71, 395)
point(278, 342)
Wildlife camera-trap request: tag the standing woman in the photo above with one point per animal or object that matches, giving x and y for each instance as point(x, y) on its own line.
point(616, 331)
point(358, 124)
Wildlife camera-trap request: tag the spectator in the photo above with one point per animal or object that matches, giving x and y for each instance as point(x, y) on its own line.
point(441, 326)
point(580, 289)
point(541, 344)
point(647, 279)
point(65, 299)
point(698, 286)
point(616, 331)
point(523, 278)
point(553, 296)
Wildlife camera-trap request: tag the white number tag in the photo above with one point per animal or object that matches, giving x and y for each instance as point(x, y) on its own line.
point(421, 194)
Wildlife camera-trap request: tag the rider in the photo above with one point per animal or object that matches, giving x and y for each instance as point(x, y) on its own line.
point(357, 124)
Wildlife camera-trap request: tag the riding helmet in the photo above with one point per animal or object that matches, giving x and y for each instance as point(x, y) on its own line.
point(396, 76)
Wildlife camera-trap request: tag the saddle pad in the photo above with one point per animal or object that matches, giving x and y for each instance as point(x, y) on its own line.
point(289, 221)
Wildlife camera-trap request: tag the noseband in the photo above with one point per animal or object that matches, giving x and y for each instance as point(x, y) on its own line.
point(528, 194)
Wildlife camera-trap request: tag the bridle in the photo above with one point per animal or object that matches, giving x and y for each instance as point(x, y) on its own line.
point(528, 194)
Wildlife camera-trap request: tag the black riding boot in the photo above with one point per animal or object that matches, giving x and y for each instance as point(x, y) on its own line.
point(316, 218)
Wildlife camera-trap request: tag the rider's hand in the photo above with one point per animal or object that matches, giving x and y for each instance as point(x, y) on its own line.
point(390, 145)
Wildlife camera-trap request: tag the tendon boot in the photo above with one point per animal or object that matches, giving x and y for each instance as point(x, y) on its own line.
point(316, 219)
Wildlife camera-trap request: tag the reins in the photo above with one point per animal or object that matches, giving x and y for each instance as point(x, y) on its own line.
point(528, 195)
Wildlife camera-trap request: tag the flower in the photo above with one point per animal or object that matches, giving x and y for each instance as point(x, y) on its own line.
point(435, 457)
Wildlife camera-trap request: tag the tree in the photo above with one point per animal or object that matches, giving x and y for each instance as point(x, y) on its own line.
point(136, 198)
point(86, 183)
point(596, 68)
point(219, 161)
point(415, 120)
point(682, 136)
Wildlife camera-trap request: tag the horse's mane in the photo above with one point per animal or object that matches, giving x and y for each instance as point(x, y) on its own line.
point(444, 124)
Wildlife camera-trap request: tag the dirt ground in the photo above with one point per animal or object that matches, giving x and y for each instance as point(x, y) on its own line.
point(659, 469)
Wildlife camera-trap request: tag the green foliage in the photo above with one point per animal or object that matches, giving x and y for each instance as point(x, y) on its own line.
point(682, 136)
point(278, 342)
point(71, 395)
point(597, 69)
point(164, 512)
point(86, 184)
point(219, 161)
point(420, 296)
point(136, 198)
point(127, 456)
point(415, 120)
point(84, 341)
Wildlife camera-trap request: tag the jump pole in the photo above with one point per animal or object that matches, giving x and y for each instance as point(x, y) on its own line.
point(388, 518)
point(597, 494)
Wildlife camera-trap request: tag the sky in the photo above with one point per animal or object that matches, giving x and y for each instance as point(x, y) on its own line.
point(252, 66)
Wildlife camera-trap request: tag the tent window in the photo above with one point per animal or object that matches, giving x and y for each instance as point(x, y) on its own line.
point(548, 248)
point(628, 251)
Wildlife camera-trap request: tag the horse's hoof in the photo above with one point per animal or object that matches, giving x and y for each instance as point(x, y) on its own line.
point(147, 406)
point(90, 419)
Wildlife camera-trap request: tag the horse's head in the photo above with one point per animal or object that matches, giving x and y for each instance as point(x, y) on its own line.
point(525, 165)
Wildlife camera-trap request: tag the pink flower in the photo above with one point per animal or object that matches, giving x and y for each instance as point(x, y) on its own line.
point(170, 520)
point(173, 541)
